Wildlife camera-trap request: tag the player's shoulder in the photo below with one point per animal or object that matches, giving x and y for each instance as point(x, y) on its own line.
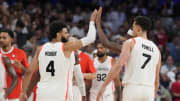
point(18, 50)
point(84, 54)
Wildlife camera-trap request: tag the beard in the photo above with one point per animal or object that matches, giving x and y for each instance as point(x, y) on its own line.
point(63, 39)
point(100, 54)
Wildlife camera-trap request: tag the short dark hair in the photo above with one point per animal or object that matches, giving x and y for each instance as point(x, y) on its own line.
point(176, 77)
point(55, 27)
point(144, 22)
point(20, 24)
point(10, 33)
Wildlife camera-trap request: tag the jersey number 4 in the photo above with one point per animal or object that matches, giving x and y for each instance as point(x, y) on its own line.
point(147, 60)
point(50, 68)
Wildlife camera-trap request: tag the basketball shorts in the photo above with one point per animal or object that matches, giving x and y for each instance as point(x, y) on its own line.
point(138, 93)
point(108, 97)
point(76, 94)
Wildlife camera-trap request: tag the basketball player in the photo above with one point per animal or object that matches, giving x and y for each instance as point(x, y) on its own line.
point(103, 65)
point(55, 61)
point(142, 60)
point(79, 92)
point(6, 68)
point(18, 59)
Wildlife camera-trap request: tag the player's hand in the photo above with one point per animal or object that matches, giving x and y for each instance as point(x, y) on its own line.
point(93, 15)
point(23, 97)
point(98, 18)
point(17, 64)
point(100, 94)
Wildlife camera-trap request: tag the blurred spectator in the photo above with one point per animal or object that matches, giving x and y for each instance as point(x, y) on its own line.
point(168, 72)
point(21, 37)
point(78, 30)
point(176, 27)
point(163, 94)
point(77, 16)
point(160, 33)
point(174, 49)
point(176, 88)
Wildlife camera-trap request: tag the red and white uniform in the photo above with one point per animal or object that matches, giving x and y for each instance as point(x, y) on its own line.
point(86, 63)
point(140, 73)
point(102, 70)
point(16, 54)
point(2, 78)
point(55, 71)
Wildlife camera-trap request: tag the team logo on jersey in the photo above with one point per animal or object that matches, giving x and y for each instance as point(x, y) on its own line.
point(13, 55)
point(103, 69)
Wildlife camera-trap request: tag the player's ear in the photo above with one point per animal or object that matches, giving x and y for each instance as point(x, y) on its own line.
point(139, 28)
point(12, 40)
point(58, 34)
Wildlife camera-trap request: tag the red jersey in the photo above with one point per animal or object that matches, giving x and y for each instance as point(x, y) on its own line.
point(16, 54)
point(86, 63)
point(176, 89)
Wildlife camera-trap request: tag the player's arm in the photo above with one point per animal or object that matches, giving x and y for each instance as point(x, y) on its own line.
point(157, 75)
point(89, 76)
point(33, 83)
point(117, 83)
point(91, 70)
point(12, 74)
point(79, 76)
point(21, 66)
point(111, 45)
point(122, 61)
point(90, 38)
point(28, 74)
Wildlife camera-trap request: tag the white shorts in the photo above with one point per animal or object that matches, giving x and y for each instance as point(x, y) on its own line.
point(109, 97)
point(138, 93)
point(76, 94)
point(13, 99)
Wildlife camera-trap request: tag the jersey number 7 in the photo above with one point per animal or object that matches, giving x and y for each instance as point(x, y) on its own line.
point(50, 68)
point(147, 60)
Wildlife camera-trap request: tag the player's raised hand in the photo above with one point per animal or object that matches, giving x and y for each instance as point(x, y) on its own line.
point(100, 94)
point(98, 18)
point(93, 16)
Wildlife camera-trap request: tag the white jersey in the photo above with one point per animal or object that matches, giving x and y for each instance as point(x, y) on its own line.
point(102, 70)
point(55, 71)
point(141, 67)
point(2, 78)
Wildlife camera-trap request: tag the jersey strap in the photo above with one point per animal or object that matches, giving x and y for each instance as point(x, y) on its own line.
point(63, 47)
point(66, 97)
point(134, 40)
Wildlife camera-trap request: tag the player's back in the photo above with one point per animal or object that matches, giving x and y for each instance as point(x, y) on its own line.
point(54, 70)
point(141, 68)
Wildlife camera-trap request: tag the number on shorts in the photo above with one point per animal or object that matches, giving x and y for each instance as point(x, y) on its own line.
point(50, 68)
point(147, 60)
